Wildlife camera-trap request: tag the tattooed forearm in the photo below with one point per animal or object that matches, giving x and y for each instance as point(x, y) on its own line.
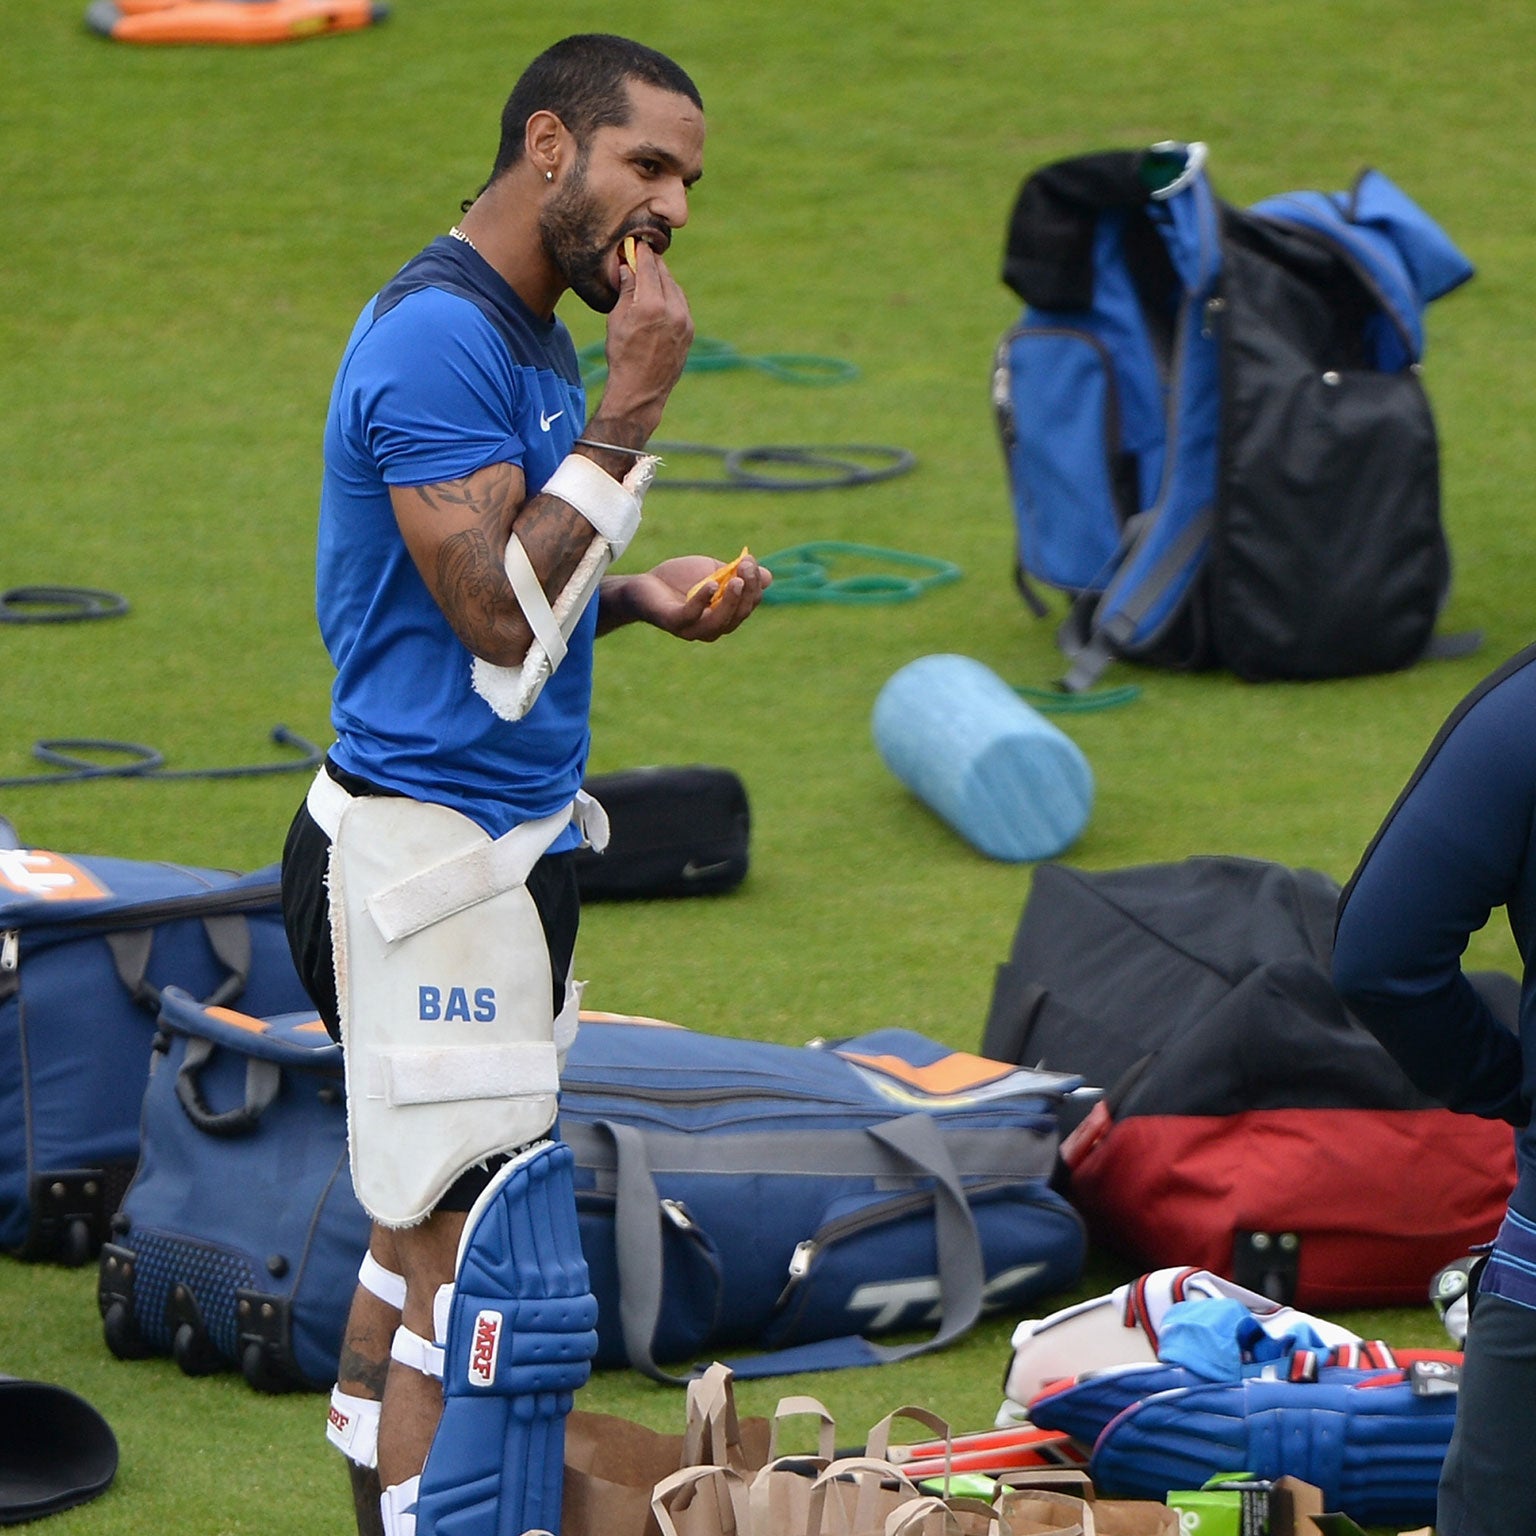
point(467, 572)
point(474, 589)
point(362, 1371)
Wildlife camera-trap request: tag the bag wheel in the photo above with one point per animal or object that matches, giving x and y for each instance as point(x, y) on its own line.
point(192, 1351)
point(121, 1332)
point(75, 1243)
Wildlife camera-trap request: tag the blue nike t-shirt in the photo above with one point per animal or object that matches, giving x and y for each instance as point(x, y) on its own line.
point(446, 372)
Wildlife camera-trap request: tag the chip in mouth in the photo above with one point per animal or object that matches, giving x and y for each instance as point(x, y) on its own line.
point(629, 252)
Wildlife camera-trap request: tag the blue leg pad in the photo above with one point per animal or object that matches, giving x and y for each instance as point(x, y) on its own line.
point(1371, 1444)
point(522, 1330)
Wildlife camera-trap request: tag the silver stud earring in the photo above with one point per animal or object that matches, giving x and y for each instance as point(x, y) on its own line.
point(549, 175)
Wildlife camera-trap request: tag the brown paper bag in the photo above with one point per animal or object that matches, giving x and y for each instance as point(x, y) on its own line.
point(702, 1501)
point(933, 1516)
point(613, 1465)
point(1040, 1512)
point(779, 1496)
point(855, 1496)
point(1134, 1517)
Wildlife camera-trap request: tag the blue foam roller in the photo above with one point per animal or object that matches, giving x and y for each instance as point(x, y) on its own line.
point(1005, 778)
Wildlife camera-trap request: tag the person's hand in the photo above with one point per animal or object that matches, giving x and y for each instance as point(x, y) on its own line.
point(650, 330)
point(660, 596)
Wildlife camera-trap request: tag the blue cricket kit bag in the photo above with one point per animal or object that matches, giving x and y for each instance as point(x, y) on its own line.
point(86, 945)
point(238, 1242)
point(1216, 436)
point(741, 1194)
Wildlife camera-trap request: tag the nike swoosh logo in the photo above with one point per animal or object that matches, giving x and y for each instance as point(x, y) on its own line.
point(693, 870)
point(545, 422)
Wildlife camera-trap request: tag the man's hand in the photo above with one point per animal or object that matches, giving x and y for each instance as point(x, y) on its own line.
point(659, 597)
point(650, 331)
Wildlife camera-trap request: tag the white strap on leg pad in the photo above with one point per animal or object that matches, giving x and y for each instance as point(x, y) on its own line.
point(352, 1426)
point(397, 1506)
point(447, 1029)
point(383, 1283)
point(419, 1354)
point(613, 509)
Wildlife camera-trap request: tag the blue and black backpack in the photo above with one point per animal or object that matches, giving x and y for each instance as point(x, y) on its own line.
point(1218, 443)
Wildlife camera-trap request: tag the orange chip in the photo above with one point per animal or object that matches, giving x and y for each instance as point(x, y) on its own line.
point(721, 576)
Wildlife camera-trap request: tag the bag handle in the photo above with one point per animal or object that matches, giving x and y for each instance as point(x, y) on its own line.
point(916, 1144)
point(869, 1475)
point(806, 1407)
point(712, 1429)
point(729, 1491)
point(914, 1519)
point(912, 1142)
point(637, 1243)
point(229, 937)
point(879, 1443)
point(262, 1081)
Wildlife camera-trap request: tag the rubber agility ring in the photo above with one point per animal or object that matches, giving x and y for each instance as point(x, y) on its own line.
point(836, 466)
point(708, 356)
point(841, 459)
point(143, 762)
point(59, 605)
point(801, 574)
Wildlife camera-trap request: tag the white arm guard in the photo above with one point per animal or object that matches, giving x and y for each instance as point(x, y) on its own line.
point(613, 509)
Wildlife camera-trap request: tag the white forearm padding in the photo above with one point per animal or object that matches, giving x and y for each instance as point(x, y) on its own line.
point(608, 504)
point(459, 1006)
point(613, 509)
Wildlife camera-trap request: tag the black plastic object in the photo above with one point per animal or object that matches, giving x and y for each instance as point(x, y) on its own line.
point(56, 1450)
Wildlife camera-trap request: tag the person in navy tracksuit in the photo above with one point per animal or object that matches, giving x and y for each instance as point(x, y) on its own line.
point(1460, 842)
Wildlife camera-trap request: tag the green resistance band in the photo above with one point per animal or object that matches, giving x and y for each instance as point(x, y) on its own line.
point(800, 574)
point(1056, 701)
point(707, 356)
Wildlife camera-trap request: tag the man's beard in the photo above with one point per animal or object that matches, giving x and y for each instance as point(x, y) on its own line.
point(573, 239)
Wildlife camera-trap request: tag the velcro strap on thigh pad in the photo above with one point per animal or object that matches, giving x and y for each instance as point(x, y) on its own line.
point(448, 1026)
point(522, 1330)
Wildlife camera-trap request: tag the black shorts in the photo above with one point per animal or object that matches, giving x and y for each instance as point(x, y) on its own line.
point(307, 918)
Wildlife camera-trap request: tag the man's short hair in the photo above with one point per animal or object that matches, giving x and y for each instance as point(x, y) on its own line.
point(584, 81)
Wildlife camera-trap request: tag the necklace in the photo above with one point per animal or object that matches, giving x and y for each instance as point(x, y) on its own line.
point(458, 234)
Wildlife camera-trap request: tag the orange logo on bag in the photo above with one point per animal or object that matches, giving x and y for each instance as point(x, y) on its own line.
point(43, 876)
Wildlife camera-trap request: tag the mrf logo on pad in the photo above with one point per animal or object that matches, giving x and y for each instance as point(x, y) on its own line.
point(485, 1349)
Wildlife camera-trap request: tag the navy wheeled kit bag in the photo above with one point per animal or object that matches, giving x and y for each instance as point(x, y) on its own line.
point(730, 1194)
point(738, 1194)
point(86, 944)
point(238, 1242)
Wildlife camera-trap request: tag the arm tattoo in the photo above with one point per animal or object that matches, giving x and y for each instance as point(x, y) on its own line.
point(471, 579)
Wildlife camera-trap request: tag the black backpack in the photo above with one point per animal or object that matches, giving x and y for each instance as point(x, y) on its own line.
point(1217, 439)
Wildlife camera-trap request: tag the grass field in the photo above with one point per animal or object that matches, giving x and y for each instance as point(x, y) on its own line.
point(188, 235)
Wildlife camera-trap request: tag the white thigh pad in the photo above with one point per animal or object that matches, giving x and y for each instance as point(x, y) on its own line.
point(443, 977)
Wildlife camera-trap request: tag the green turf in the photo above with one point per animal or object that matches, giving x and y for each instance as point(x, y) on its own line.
point(188, 234)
